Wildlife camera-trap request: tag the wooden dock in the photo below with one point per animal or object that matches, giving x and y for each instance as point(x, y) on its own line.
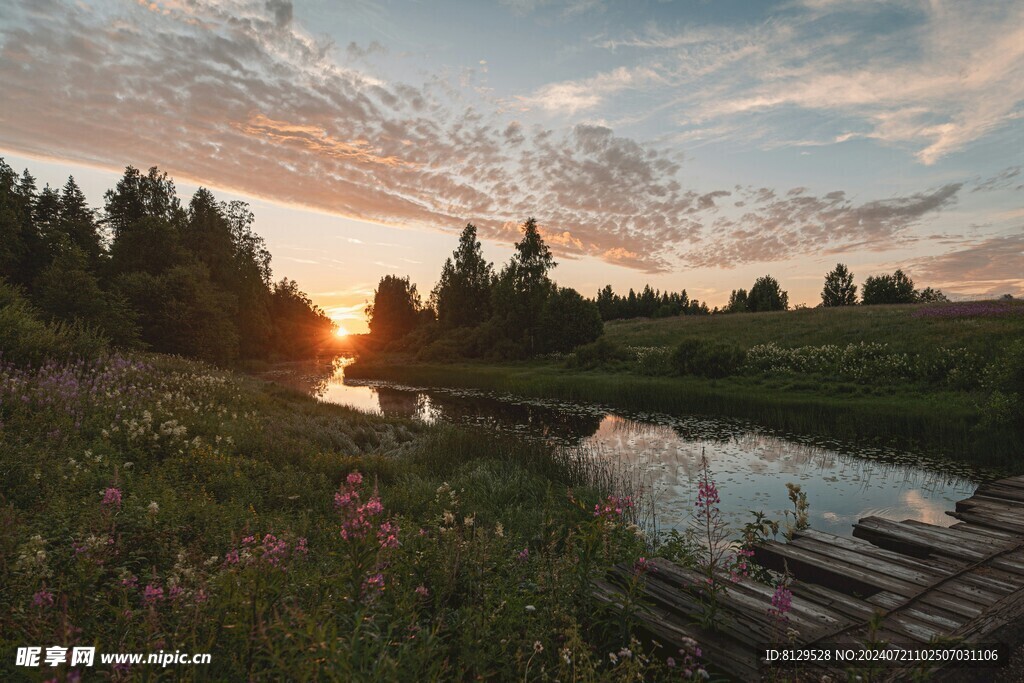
point(901, 583)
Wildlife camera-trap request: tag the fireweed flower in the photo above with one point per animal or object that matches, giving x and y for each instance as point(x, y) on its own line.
point(112, 497)
point(152, 594)
point(43, 598)
point(782, 602)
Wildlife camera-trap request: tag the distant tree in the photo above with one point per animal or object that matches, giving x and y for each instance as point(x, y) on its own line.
point(300, 327)
point(767, 295)
point(523, 287)
point(138, 196)
point(889, 289)
point(839, 288)
point(931, 296)
point(606, 303)
point(68, 290)
point(567, 321)
point(395, 309)
point(206, 234)
point(78, 223)
point(738, 301)
point(462, 295)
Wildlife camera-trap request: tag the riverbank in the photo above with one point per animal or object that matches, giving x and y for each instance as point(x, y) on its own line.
point(920, 377)
point(155, 504)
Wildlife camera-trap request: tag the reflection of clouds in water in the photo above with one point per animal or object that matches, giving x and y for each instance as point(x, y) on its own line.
point(662, 454)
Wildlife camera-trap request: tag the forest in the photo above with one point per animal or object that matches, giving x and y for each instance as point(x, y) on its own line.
point(147, 272)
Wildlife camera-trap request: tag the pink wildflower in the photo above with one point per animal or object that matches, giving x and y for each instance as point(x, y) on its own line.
point(374, 584)
point(524, 555)
point(388, 535)
point(643, 565)
point(354, 479)
point(174, 593)
point(43, 598)
point(782, 602)
point(130, 581)
point(422, 591)
point(112, 497)
point(300, 547)
point(152, 594)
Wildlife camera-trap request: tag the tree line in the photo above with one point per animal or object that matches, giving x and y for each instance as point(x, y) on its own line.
point(148, 272)
point(475, 311)
point(650, 303)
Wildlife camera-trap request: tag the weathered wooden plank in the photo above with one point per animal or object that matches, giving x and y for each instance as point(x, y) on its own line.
point(985, 533)
point(936, 565)
point(827, 598)
point(961, 531)
point(993, 504)
point(722, 653)
point(747, 598)
point(1001, 492)
point(920, 575)
point(1008, 612)
point(1013, 482)
point(968, 609)
point(992, 521)
point(917, 542)
point(831, 571)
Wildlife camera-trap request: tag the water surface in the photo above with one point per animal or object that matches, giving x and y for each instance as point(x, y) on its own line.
point(751, 465)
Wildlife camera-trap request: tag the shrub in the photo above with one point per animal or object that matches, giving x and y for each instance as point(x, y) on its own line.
point(707, 359)
point(596, 354)
point(26, 340)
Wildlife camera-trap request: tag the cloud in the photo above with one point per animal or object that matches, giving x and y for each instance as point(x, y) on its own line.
point(777, 228)
point(241, 99)
point(570, 97)
point(945, 75)
point(990, 266)
point(282, 11)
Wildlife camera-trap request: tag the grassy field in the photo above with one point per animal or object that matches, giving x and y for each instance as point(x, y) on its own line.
point(937, 415)
point(905, 328)
point(151, 504)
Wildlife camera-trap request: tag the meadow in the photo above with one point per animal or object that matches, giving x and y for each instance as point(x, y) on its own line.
point(152, 504)
point(946, 378)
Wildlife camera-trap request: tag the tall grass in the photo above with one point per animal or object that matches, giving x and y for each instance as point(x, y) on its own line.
point(155, 504)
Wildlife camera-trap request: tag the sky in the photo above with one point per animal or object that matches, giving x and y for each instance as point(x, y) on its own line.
point(685, 144)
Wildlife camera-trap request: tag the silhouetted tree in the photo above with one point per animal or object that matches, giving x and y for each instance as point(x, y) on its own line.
point(395, 308)
point(889, 289)
point(462, 295)
point(738, 301)
point(767, 295)
point(523, 287)
point(839, 288)
point(931, 296)
point(567, 321)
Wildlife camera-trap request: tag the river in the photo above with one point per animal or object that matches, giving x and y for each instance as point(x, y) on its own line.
point(662, 453)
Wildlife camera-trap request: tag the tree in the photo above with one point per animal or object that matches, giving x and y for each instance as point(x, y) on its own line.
point(395, 309)
point(766, 295)
point(78, 223)
point(524, 286)
point(931, 296)
point(138, 196)
point(839, 288)
point(567, 321)
point(738, 301)
point(889, 289)
point(300, 327)
point(462, 295)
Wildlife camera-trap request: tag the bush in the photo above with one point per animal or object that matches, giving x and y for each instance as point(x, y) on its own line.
point(596, 354)
point(26, 340)
point(707, 359)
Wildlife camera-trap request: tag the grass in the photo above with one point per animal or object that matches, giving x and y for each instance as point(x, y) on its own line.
point(904, 328)
point(153, 504)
